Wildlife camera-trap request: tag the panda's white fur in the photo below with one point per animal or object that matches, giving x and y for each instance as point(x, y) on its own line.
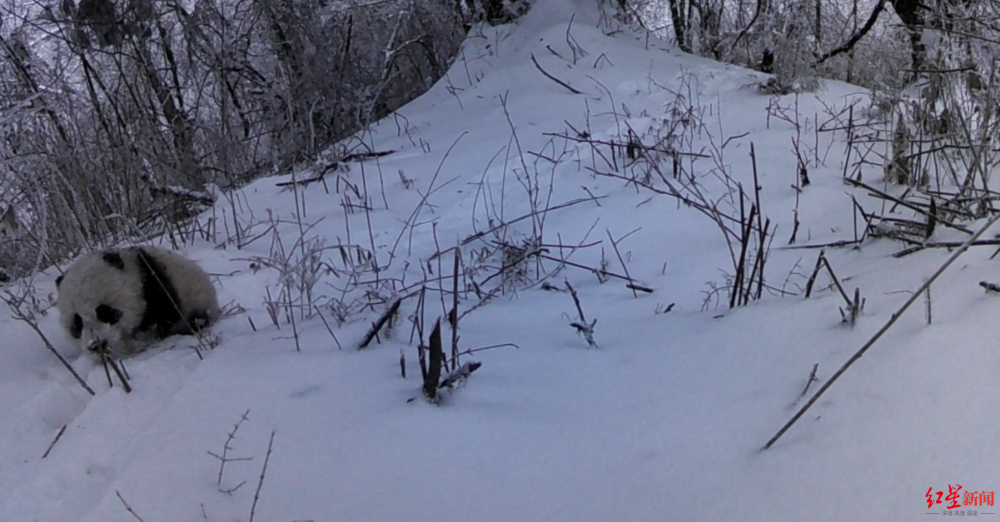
point(129, 297)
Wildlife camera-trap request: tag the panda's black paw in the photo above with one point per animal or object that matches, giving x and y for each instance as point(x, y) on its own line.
point(198, 320)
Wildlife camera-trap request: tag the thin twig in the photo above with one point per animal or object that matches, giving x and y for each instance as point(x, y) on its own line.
point(263, 472)
point(622, 262)
point(471, 351)
point(327, 325)
point(454, 314)
point(54, 441)
point(587, 329)
point(832, 244)
point(553, 78)
point(128, 507)
point(812, 379)
point(620, 145)
point(110, 361)
point(227, 447)
point(532, 214)
point(570, 263)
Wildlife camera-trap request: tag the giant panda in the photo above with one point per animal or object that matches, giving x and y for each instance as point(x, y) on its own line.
point(121, 300)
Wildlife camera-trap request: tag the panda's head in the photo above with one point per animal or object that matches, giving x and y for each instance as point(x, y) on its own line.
point(101, 301)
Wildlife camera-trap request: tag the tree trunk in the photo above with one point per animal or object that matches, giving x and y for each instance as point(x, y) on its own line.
point(188, 171)
point(909, 12)
point(678, 16)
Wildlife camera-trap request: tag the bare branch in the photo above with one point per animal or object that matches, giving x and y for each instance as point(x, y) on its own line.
point(858, 36)
point(553, 78)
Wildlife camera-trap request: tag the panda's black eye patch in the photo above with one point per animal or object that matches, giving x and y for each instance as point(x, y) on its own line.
point(59, 281)
point(76, 330)
point(114, 259)
point(108, 315)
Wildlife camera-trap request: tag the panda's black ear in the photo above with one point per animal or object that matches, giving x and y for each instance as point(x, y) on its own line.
point(107, 314)
point(114, 259)
point(59, 281)
point(76, 329)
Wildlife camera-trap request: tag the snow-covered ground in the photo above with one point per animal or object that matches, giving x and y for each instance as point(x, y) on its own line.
point(664, 421)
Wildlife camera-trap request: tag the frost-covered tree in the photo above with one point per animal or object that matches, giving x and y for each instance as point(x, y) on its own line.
point(117, 110)
point(795, 39)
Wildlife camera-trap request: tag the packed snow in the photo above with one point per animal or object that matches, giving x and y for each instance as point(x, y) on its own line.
point(664, 420)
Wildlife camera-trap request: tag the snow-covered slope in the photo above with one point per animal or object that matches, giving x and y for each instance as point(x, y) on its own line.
point(662, 422)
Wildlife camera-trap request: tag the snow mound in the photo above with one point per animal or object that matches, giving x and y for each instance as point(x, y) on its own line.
point(662, 422)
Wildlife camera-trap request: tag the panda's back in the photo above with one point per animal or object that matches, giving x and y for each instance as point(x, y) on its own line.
point(177, 292)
